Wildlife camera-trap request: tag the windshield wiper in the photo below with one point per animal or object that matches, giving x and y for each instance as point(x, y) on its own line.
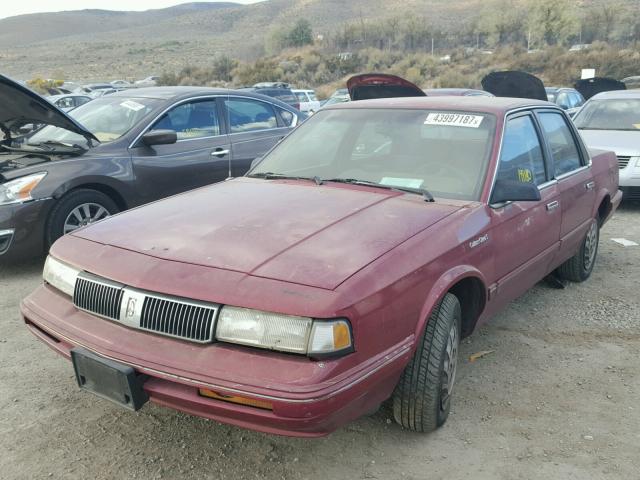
point(426, 194)
point(282, 176)
point(50, 146)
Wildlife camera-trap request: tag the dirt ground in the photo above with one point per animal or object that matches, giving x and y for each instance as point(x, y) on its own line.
point(557, 399)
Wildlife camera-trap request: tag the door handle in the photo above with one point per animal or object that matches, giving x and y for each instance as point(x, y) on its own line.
point(219, 152)
point(590, 185)
point(553, 205)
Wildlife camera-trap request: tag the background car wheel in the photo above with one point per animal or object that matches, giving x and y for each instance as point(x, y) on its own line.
point(579, 267)
point(77, 209)
point(422, 398)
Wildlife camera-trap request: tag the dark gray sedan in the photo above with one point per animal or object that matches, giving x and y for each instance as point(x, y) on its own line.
point(120, 151)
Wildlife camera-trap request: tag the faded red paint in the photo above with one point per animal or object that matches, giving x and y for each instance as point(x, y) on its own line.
point(380, 258)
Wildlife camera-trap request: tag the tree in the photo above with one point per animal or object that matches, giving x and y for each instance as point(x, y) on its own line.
point(301, 34)
point(223, 66)
point(552, 21)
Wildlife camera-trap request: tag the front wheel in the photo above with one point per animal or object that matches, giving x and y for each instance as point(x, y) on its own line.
point(579, 267)
point(77, 209)
point(422, 398)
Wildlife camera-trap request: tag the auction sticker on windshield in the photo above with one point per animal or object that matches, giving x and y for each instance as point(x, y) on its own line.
point(131, 105)
point(454, 119)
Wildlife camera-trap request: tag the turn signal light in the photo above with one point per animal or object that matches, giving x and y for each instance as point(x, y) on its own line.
point(250, 402)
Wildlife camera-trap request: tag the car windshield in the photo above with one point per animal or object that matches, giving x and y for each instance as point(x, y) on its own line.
point(108, 118)
point(614, 114)
point(444, 152)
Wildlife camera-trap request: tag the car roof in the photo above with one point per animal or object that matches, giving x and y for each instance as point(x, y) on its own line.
point(618, 94)
point(65, 95)
point(497, 105)
point(179, 93)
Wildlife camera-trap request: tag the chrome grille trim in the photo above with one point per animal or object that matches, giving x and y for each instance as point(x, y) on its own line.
point(100, 297)
point(175, 317)
point(623, 161)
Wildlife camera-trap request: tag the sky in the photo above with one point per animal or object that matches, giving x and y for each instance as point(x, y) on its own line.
point(12, 7)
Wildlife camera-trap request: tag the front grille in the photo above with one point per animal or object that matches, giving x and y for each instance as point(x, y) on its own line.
point(98, 297)
point(178, 318)
point(623, 162)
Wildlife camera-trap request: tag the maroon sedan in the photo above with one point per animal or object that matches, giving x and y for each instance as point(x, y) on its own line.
point(341, 272)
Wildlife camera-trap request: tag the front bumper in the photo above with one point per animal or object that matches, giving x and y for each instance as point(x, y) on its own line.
point(308, 398)
point(27, 223)
point(630, 175)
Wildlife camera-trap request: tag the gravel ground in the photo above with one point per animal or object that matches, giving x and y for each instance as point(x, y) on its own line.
point(557, 399)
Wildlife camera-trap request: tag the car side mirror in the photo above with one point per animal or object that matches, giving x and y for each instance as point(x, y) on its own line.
point(159, 137)
point(255, 162)
point(514, 191)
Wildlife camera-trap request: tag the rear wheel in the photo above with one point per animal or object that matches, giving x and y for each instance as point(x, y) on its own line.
point(579, 267)
point(77, 209)
point(422, 398)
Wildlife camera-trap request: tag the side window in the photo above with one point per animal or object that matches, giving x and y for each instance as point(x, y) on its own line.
point(246, 115)
point(302, 97)
point(287, 117)
point(81, 100)
point(521, 158)
point(191, 120)
point(563, 146)
point(66, 102)
point(563, 100)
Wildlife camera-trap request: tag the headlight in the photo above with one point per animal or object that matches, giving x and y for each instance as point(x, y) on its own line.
point(285, 333)
point(19, 190)
point(60, 275)
point(637, 162)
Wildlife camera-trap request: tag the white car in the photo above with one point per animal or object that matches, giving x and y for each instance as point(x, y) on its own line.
point(151, 81)
point(611, 121)
point(309, 104)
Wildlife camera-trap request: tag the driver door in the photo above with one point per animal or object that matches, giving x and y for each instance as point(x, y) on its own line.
point(200, 156)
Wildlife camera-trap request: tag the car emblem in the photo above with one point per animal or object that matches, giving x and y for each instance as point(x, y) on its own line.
point(130, 311)
point(479, 241)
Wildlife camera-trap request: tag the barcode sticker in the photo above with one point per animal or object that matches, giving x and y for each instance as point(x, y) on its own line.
point(454, 119)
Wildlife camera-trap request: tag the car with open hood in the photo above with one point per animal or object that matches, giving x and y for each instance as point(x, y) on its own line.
point(341, 271)
point(589, 87)
point(515, 84)
point(368, 86)
point(611, 121)
point(120, 151)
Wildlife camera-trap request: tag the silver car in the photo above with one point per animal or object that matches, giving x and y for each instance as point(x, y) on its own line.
point(611, 121)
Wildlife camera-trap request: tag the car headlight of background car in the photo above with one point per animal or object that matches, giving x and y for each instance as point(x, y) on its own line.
point(286, 333)
point(637, 159)
point(60, 275)
point(19, 190)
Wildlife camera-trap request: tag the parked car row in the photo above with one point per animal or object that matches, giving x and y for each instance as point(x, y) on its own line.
point(259, 301)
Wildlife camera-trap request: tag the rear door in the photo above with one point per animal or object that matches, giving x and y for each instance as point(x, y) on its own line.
point(525, 234)
point(573, 173)
point(254, 126)
point(200, 156)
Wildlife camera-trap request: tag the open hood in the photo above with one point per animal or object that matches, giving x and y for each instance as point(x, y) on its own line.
point(21, 106)
point(380, 85)
point(592, 86)
point(514, 84)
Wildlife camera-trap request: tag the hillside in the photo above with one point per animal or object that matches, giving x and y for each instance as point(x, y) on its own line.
point(91, 44)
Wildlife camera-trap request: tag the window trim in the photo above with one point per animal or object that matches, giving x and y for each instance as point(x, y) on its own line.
point(582, 152)
point(538, 131)
point(216, 97)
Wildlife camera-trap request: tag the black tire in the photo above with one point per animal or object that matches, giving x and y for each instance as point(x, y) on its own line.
point(68, 203)
point(579, 267)
point(420, 403)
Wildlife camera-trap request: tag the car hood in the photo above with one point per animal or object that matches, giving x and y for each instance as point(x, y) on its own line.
point(20, 106)
point(621, 142)
point(291, 231)
point(592, 86)
point(381, 85)
point(514, 84)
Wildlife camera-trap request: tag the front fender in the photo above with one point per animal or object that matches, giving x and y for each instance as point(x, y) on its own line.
point(446, 281)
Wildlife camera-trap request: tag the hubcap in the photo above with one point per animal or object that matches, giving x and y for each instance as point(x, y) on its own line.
point(590, 246)
point(450, 367)
point(84, 214)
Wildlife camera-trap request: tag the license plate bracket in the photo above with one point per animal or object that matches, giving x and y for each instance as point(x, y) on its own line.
point(108, 379)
